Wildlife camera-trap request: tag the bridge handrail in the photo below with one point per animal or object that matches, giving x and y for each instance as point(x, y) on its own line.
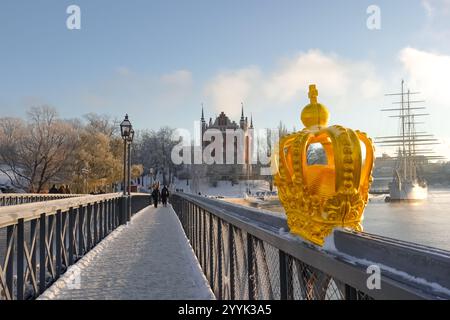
point(54, 195)
point(408, 271)
point(11, 214)
point(10, 199)
point(39, 241)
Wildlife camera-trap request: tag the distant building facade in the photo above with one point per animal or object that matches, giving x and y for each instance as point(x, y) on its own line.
point(233, 166)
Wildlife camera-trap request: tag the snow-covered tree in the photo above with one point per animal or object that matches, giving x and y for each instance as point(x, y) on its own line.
point(38, 151)
point(153, 149)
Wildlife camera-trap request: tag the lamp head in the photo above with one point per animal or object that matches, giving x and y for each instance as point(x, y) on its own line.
point(125, 128)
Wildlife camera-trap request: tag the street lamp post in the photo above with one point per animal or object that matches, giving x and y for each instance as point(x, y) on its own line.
point(127, 133)
point(130, 141)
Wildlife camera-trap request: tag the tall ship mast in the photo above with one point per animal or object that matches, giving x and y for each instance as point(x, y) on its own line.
point(413, 147)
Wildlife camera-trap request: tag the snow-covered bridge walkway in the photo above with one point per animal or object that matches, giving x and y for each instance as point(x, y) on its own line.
point(150, 258)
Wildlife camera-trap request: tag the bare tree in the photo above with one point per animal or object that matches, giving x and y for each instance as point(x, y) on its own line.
point(153, 149)
point(101, 123)
point(37, 152)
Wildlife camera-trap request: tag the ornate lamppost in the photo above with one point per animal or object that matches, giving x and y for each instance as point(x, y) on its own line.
point(130, 141)
point(127, 133)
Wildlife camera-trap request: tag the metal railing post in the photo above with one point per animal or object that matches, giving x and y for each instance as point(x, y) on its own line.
point(110, 215)
point(50, 239)
point(250, 268)
point(211, 254)
point(115, 213)
point(95, 212)
point(42, 255)
point(285, 276)
point(204, 241)
point(20, 258)
point(197, 231)
point(219, 252)
point(33, 227)
point(58, 244)
point(80, 230)
point(231, 259)
point(105, 219)
point(71, 235)
point(199, 240)
point(10, 260)
point(101, 233)
point(350, 293)
point(106, 216)
point(88, 227)
point(194, 228)
point(191, 222)
point(129, 207)
point(123, 211)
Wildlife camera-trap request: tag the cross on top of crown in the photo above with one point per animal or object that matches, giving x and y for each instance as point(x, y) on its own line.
point(313, 93)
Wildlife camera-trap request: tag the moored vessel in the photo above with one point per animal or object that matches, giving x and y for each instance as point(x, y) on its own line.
point(413, 149)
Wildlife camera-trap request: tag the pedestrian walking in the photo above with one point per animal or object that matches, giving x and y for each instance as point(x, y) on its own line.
point(155, 196)
point(164, 195)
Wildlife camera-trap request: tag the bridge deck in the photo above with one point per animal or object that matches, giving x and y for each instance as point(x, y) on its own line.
point(149, 258)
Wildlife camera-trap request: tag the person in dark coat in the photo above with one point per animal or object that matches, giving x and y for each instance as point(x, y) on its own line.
point(164, 196)
point(155, 196)
point(53, 189)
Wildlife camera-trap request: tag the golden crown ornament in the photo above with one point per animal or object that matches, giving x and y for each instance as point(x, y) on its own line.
point(320, 197)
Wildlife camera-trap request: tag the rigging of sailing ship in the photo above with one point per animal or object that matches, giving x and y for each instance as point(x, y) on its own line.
point(412, 148)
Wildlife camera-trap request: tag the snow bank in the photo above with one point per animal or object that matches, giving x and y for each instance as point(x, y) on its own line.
point(224, 188)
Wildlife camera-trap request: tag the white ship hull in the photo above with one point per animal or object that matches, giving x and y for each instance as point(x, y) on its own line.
point(407, 184)
point(408, 191)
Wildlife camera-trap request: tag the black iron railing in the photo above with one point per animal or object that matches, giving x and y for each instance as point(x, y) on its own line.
point(39, 241)
point(12, 199)
point(248, 254)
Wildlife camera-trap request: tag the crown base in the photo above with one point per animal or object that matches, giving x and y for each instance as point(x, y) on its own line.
point(314, 218)
point(317, 232)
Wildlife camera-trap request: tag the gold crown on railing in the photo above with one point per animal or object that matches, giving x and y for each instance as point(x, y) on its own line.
point(334, 193)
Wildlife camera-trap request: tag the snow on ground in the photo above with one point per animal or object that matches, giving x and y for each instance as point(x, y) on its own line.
point(150, 258)
point(224, 188)
point(3, 178)
point(4, 181)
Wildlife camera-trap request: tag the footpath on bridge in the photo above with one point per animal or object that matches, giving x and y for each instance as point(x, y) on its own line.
point(150, 258)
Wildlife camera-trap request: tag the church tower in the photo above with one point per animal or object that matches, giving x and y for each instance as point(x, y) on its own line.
point(242, 121)
point(203, 122)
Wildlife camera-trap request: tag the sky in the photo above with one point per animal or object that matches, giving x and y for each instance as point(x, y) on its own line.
point(159, 61)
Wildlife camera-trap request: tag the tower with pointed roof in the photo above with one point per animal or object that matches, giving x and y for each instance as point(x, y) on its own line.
point(223, 123)
point(242, 122)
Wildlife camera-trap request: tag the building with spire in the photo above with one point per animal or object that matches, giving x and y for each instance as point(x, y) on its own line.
point(239, 168)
